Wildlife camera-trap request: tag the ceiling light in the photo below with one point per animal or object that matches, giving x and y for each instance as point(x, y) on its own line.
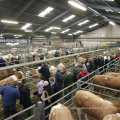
point(18, 35)
point(82, 35)
point(70, 34)
point(77, 4)
point(51, 28)
point(103, 35)
point(9, 21)
point(109, 0)
point(94, 25)
point(1, 37)
point(65, 31)
point(27, 25)
point(68, 18)
point(28, 31)
point(45, 12)
point(39, 36)
point(84, 22)
point(54, 33)
point(112, 23)
point(75, 33)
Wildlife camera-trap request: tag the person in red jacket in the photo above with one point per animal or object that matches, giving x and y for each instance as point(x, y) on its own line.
point(83, 73)
point(117, 56)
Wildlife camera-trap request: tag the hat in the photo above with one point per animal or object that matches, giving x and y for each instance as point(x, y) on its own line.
point(46, 83)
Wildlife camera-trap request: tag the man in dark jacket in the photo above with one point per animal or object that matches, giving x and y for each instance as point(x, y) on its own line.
point(68, 79)
point(9, 96)
point(2, 62)
point(58, 78)
point(45, 71)
point(25, 95)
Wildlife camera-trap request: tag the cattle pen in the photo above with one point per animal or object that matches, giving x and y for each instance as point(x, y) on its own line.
point(38, 110)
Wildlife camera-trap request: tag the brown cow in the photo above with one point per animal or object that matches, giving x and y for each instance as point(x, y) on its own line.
point(61, 67)
point(112, 117)
point(107, 81)
point(33, 73)
point(6, 73)
point(60, 112)
point(15, 77)
point(52, 70)
point(113, 74)
point(93, 105)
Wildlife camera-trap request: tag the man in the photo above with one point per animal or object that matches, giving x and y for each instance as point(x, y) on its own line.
point(58, 78)
point(2, 62)
point(68, 79)
point(45, 71)
point(82, 74)
point(25, 95)
point(9, 96)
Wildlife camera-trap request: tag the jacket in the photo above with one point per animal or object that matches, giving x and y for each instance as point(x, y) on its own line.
point(25, 95)
point(9, 95)
point(58, 78)
point(45, 71)
point(82, 74)
point(68, 79)
point(2, 63)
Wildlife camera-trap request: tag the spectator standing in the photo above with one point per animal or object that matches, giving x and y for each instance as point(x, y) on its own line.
point(54, 87)
point(82, 74)
point(45, 71)
point(25, 95)
point(2, 62)
point(58, 78)
point(68, 79)
point(9, 96)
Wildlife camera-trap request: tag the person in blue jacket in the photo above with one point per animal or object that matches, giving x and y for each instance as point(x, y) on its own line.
point(9, 95)
point(2, 62)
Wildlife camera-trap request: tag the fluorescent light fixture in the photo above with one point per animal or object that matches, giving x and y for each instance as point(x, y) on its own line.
point(103, 35)
point(82, 35)
point(52, 28)
point(9, 21)
point(53, 33)
point(70, 34)
point(65, 31)
point(110, 0)
point(1, 37)
point(27, 25)
point(94, 25)
point(68, 18)
point(84, 22)
point(39, 36)
point(111, 22)
point(109, 10)
point(16, 35)
point(75, 33)
point(45, 12)
point(77, 4)
point(28, 31)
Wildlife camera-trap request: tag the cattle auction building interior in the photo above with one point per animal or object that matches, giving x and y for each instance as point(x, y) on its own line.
point(59, 59)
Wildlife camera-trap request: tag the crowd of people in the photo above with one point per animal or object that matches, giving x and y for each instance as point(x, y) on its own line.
point(48, 85)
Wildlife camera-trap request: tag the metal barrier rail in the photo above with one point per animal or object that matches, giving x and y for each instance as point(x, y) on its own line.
point(46, 60)
point(41, 105)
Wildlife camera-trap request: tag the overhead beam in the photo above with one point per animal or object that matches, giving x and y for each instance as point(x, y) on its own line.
point(21, 11)
point(102, 7)
point(51, 21)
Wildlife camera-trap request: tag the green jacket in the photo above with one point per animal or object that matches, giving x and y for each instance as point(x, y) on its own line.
point(68, 79)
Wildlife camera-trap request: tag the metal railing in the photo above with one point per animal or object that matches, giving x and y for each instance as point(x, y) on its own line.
point(41, 111)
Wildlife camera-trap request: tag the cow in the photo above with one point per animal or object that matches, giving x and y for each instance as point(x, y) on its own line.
point(6, 73)
point(112, 117)
point(107, 81)
point(60, 112)
point(61, 67)
point(34, 73)
point(113, 74)
point(81, 60)
point(52, 70)
point(15, 77)
point(93, 105)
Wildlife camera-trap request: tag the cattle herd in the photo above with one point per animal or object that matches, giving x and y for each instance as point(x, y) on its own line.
point(88, 102)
